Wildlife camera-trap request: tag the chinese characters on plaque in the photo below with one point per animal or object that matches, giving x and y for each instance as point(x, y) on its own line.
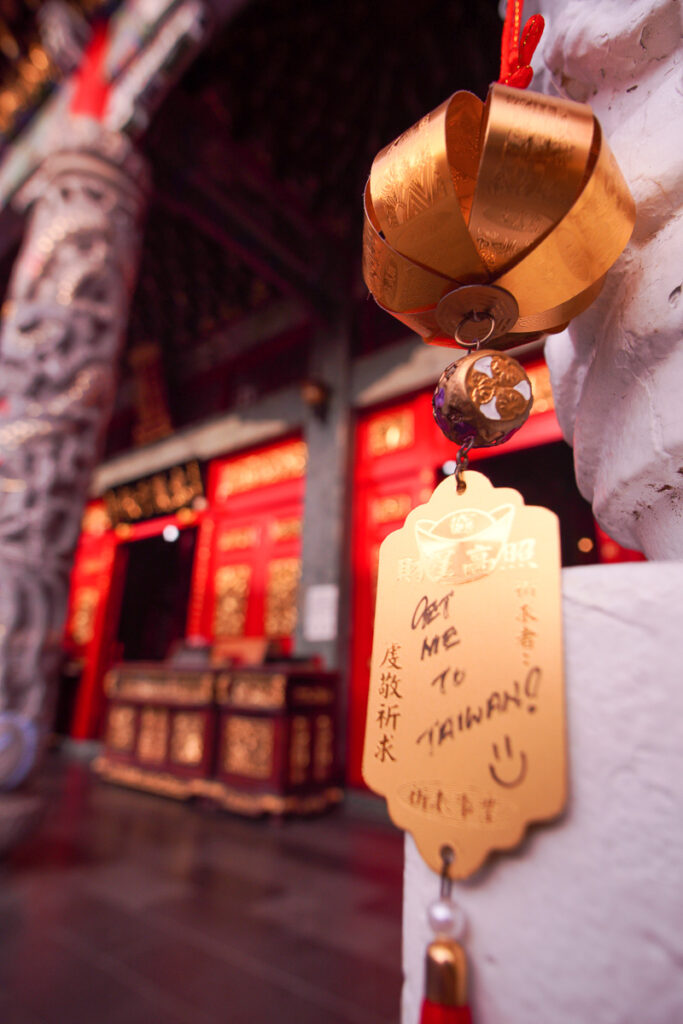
point(466, 724)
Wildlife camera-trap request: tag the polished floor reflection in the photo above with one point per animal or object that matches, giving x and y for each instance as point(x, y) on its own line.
point(131, 909)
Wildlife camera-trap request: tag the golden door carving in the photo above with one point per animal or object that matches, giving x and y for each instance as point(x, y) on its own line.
point(281, 596)
point(391, 432)
point(232, 597)
point(285, 463)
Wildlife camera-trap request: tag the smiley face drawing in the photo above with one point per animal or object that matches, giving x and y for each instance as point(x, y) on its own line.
point(520, 765)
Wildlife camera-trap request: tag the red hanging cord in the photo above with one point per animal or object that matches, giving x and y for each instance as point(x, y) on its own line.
point(91, 88)
point(516, 53)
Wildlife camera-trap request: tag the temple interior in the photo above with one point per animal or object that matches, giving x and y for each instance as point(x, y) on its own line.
point(210, 850)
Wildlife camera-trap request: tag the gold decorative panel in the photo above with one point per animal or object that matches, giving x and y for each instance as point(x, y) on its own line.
point(312, 695)
point(391, 508)
point(163, 684)
point(83, 615)
point(540, 388)
point(281, 596)
point(258, 691)
point(121, 728)
point(299, 749)
point(167, 491)
point(232, 597)
point(153, 736)
point(248, 747)
point(323, 757)
point(285, 463)
point(285, 529)
point(391, 432)
point(187, 738)
point(238, 538)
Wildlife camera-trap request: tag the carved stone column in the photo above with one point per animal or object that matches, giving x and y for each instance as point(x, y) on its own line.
point(63, 325)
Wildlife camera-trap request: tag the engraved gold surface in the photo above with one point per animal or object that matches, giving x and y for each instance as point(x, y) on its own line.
point(82, 625)
point(285, 463)
point(318, 695)
point(256, 690)
point(323, 748)
point(165, 685)
point(187, 738)
point(498, 388)
point(299, 749)
point(166, 492)
point(285, 529)
point(484, 398)
point(524, 195)
point(120, 734)
point(153, 735)
point(467, 739)
point(282, 587)
point(516, 201)
point(391, 432)
point(232, 597)
point(391, 508)
point(248, 746)
point(238, 538)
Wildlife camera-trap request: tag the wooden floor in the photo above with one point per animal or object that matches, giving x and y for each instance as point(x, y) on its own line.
point(131, 909)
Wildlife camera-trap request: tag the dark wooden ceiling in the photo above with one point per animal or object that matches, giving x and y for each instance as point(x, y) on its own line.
point(259, 158)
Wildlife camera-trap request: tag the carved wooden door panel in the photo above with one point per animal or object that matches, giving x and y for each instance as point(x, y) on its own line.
point(249, 557)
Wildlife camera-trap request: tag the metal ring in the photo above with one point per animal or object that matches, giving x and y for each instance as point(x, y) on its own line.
point(475, 318)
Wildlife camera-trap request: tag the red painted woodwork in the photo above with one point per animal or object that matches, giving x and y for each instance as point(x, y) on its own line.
point(256, 511)
point(100, 565)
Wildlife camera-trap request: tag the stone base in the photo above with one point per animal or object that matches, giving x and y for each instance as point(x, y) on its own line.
point(583, 921)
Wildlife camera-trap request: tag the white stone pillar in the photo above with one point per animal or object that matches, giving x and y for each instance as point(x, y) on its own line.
point(63, 325)
point(582, 922)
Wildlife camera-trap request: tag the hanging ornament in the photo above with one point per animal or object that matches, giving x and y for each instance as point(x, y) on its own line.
point(484, 224)
point(520, 196)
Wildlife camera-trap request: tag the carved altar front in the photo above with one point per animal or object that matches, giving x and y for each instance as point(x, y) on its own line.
point(254, 740)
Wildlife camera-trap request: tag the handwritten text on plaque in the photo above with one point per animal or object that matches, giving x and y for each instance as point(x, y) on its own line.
point(465, 732)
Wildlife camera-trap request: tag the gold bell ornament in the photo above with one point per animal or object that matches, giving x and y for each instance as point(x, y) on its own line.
point(495, 222)
point(485, 224)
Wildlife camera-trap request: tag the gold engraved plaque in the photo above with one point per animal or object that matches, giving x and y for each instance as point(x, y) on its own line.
point(465, 731)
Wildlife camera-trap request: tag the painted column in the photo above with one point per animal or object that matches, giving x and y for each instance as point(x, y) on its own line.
point(64, 323)
point(582, 922)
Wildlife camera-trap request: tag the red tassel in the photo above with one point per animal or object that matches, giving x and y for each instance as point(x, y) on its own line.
point(515, 55)
point(437, 1013)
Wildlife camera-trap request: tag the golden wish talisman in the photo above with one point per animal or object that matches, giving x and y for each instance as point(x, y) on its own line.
point(491, 223)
